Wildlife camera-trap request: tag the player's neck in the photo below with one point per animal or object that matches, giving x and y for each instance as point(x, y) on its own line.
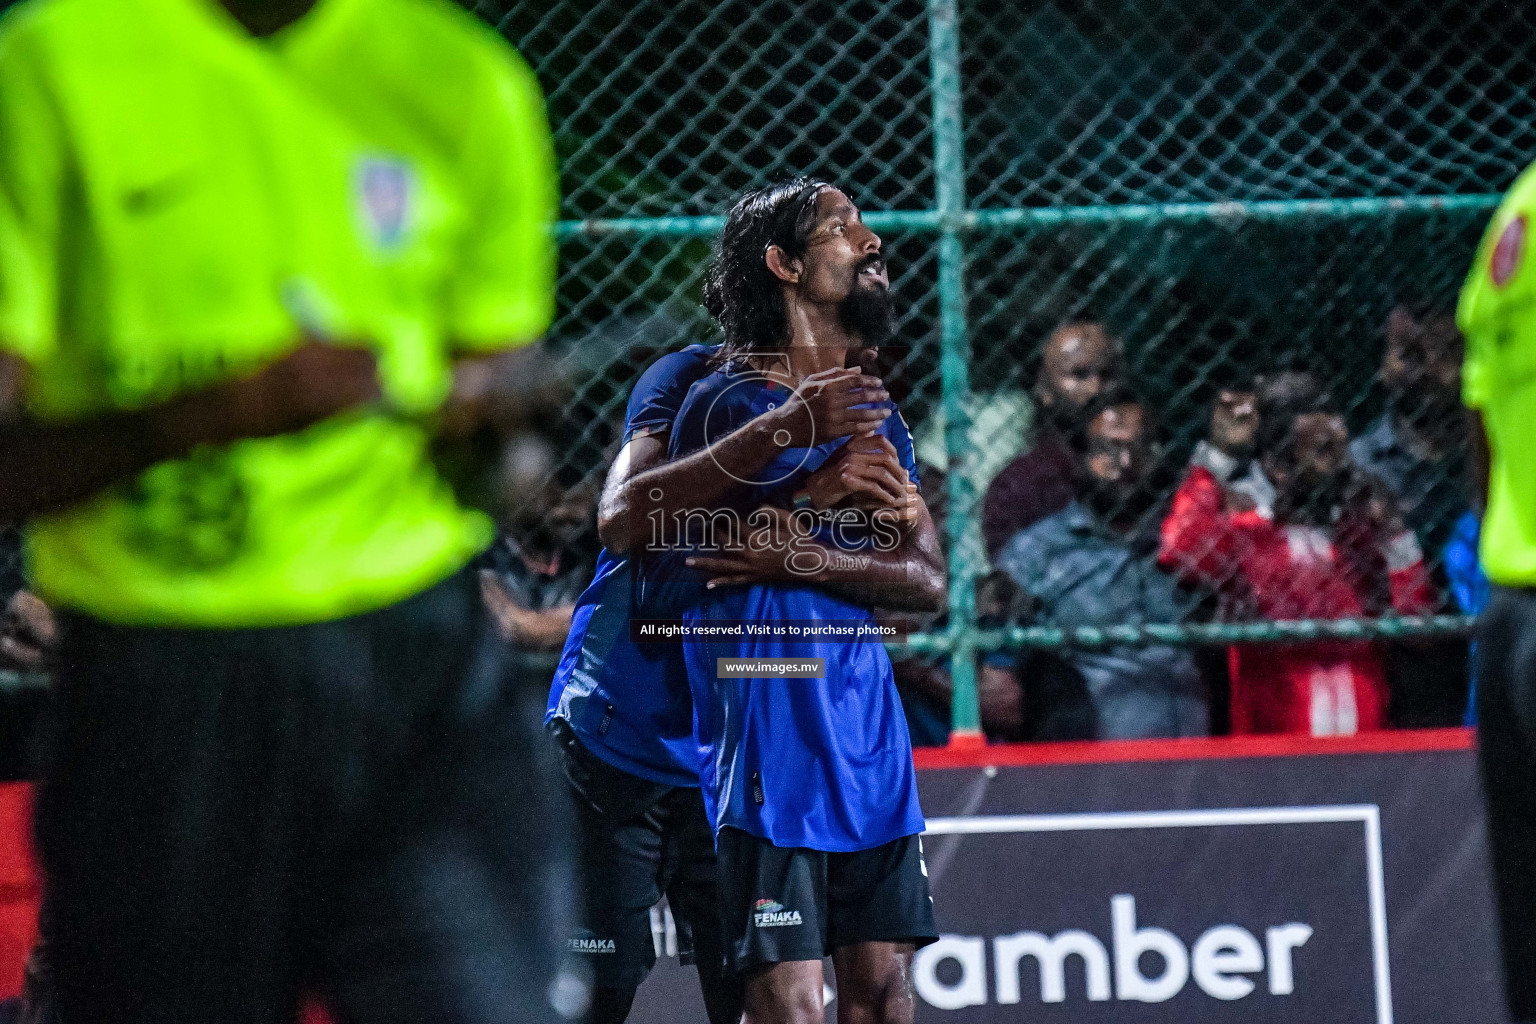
point(266, 17)
point(817, 341)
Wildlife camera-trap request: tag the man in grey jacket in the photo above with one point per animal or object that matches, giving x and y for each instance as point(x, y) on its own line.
point(1094, 564)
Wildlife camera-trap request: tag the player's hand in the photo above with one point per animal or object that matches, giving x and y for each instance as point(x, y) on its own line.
point(767, 557)
point(867, 470)
point(822, 407)
point(911, 505)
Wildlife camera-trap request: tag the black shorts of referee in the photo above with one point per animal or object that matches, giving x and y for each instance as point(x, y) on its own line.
point(639, 841)
point(783, 904)
point(1506, 709)
point(365, 809)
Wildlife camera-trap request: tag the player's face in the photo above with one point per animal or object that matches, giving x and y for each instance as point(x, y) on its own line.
point(841, 254)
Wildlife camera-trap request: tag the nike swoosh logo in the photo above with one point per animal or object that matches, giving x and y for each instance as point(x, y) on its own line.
point(155, 196)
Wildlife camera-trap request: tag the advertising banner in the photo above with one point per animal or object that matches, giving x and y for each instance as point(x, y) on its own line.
point(1303, 881)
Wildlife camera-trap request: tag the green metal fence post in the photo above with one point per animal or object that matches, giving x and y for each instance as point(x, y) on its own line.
point(954, 361)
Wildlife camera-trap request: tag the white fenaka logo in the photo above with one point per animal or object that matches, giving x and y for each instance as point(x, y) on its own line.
point(592, 944)
point(1220, 961)
point(771, 914)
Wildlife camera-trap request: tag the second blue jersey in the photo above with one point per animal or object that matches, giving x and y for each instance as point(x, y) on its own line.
point(629, 703)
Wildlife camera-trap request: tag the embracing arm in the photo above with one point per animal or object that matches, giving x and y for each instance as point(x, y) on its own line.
point(911, 577)
point(46, 467)
point(908, 577)
point(640, 485)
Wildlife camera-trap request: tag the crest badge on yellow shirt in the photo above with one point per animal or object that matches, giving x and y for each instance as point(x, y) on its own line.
point(386, 187)
point(1507, 252)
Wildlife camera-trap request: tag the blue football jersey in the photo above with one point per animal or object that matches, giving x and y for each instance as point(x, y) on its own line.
point(819, 763)
point(629, 703)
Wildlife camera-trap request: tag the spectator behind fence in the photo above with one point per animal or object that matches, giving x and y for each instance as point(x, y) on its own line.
point(924, 681)
point(1417, 448)
point(1336, 548)
point(544, 553)
point(1227, 451)
point(1094, 563)
point(1077, 361)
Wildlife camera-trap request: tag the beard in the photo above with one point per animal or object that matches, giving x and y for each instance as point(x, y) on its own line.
point(868, 314)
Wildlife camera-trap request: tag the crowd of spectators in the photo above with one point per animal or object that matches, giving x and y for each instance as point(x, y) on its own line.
point(1087, 520)
point(1279, 515)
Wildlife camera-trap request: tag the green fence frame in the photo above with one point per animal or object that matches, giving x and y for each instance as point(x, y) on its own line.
point(952, 222)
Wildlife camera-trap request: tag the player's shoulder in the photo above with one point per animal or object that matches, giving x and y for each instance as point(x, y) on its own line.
point(446, 36)
point(722, 399)
point(686, 364)
point(1501, 279)
point(40, 22)
point(734, 382)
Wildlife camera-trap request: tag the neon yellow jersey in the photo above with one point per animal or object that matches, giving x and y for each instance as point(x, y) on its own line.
point(178, 198)
point(1497, 314)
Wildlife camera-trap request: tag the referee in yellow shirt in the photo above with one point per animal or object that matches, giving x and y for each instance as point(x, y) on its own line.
point(244, 247)
point(1497, 315)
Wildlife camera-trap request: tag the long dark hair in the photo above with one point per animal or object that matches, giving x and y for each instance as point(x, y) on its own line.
point(739, 290)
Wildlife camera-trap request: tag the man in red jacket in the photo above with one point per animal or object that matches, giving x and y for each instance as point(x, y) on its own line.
point(1335, 548)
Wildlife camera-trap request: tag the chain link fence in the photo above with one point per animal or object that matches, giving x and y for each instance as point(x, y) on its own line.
point(1231, 189)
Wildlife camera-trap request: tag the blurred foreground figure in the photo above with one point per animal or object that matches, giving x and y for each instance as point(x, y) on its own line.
point(1495, 316)
point(245, 255)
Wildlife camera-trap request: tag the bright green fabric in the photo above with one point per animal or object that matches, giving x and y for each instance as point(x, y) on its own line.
point(178, 199)
point(1497, 314)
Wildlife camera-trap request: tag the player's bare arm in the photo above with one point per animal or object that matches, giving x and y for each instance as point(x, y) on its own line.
point(502, 390)
point(640, 486)
point(50, 466)
point(911, 577)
